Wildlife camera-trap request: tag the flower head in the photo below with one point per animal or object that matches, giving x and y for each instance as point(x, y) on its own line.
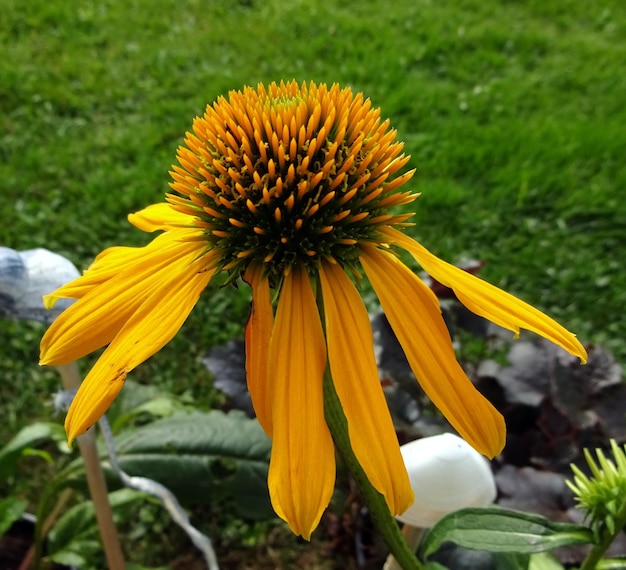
point(289, 176)
point(290, 188)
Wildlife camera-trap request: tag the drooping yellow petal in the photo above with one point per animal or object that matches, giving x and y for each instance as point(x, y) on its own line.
point(302, 466)
point(159, 216)
point(258, 333)
point(355, 375)
point(79, 287)
point(487, 300)
point(148, 329)
point(419, 326)
point(111, 263)
point(107, 303)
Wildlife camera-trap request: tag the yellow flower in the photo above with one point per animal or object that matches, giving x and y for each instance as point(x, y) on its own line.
point(289, 187)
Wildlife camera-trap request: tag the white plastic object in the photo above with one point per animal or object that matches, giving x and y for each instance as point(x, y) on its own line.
point(26, 276)
point(446, 475)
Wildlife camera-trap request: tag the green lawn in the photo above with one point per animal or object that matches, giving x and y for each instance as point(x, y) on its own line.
point(513, 112)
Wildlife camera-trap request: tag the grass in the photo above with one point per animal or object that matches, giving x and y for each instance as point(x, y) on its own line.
point(513, 112)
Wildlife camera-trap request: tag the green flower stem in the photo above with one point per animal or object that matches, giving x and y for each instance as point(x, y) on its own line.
point(412, 535)
point(606, 538)
point(387, 525)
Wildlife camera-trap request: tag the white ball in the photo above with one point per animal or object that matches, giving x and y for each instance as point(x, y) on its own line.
point(446, 475)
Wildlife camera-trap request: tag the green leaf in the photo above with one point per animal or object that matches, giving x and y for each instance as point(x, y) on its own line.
point(11, 509)
point(137, 400)
point(203, 457)
point(544, 561)
point(75, 538)
point(510, 560)
point(612, 564)
point(500, 530)
point(457, 557)
point(434, 566)
point(25, 440)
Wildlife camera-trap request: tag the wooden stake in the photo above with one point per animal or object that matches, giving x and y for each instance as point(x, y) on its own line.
point(95, 480)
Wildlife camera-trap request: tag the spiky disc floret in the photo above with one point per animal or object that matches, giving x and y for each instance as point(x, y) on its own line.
point(290, 174)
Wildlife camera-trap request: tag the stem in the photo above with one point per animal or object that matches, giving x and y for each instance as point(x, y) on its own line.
point(95, 480)
point(412, 535)
point(33, 554)
point(606, 538)
point(387, 525)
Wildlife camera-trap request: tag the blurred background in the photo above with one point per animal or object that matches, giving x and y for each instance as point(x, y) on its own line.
point(513, 112)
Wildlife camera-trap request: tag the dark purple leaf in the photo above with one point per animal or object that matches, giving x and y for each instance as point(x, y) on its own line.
point(526, 381)
point(533, 491)
point(608, 409)
point(227, 363)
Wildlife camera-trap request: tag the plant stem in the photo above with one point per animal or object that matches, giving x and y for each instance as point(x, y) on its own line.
point(33, 554)
point(606, 538)
point(387, 525)
point(412, 535)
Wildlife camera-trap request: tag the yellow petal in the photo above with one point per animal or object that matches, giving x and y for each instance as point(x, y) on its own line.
point(419, 326)
point(113, 261)
point(355, 375)
point(159, 217)
point(111, 292)
point(489, 301)
point(302, 466)
point(258, 333)
point(152, 325)
point(93, 276)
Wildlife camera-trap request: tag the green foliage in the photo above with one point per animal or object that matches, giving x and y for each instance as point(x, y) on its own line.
point(203, 458)
point(544, 561)
point(213, 459)
point(602, 497)
point(11, 509)
point(512, 111)
point(75, 538)
point(500, 530)
point(499, 560)
point(25, 443)
point(138, 404)
point(31, 441)
point(612, 564)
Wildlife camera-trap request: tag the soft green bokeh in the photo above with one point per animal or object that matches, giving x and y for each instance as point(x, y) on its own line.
point(513, 112)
